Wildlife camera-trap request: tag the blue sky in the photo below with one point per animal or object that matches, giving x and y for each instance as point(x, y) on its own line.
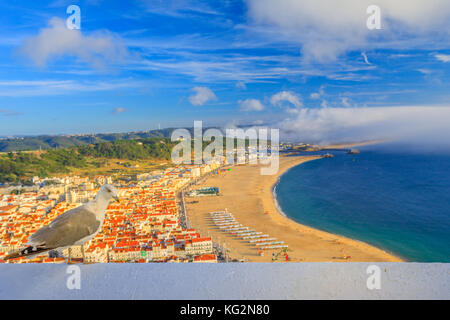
point(136, 64)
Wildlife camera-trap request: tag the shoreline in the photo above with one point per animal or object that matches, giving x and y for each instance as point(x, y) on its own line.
point(274, 187)
point(250, 198)
point(283, 214)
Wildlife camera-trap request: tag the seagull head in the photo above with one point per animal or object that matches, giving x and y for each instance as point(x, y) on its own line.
point(110, 192)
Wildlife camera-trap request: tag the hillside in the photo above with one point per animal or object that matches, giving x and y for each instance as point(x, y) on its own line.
point(45, 142)
point(20, 167)
point(119, 156)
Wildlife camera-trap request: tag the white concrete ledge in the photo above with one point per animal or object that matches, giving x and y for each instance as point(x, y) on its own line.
point(226, 281)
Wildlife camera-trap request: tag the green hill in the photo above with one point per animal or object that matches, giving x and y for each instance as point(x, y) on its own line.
point(20, 166)
point(45, 142)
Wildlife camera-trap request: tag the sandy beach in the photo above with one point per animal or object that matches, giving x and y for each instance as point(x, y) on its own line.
point(248, 196)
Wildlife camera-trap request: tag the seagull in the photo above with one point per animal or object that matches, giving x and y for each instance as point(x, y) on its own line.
point(73, 227)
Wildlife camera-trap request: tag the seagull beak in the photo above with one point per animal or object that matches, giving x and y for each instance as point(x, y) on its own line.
point(117, 199)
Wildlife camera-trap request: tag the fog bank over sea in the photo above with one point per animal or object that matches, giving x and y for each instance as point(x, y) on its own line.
point(409, 125)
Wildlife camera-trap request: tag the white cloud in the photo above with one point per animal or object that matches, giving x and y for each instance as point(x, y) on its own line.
point(9, 113)
point(443, 57)
point(420, 124)
point(251, 105)
point(179, 8)
point(56, 41)
point(315, 95)
point(65, 3)
point(286, 96)
point(425, 71)
point(202, 95)
point(319, 94)
point(366, 60)
point(222, 68)
point(31, 88)
point(328, 28)
point(324, 104)
point(119, 110)
point(345, 102)
point(241, 85)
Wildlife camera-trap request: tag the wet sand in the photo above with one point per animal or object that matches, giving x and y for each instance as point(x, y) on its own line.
point(248, 196)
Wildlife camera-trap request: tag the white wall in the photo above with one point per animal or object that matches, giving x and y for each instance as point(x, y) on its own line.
point(226, 281)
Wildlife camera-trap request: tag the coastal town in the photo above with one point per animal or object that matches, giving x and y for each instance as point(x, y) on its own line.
point(148, 225)
point(218, 211)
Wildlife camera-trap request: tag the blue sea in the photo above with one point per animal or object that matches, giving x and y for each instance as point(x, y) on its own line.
point(397, 200)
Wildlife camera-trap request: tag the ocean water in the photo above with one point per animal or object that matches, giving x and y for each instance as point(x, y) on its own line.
point(396, 200)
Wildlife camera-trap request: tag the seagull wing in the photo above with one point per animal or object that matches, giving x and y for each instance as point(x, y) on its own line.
point(66, 229)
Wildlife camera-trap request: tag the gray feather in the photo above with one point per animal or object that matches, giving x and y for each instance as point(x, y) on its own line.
point(67, 229)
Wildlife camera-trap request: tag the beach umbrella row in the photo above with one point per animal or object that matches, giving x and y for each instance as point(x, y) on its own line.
point(274, 247)
point(234, 228)
point(239, 229)
point(269, 243)
point(251, 233)
point(260, 240)
point(226, 222)
point(228, 225)
point(240, 232)
point(223, 219)
point(221, 216)
point(255, 237)
point(219, 213)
